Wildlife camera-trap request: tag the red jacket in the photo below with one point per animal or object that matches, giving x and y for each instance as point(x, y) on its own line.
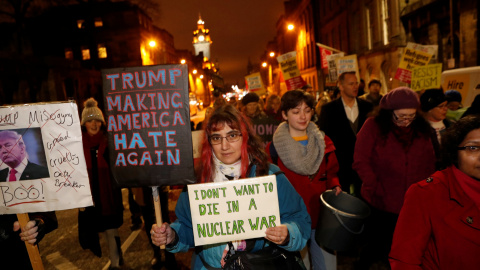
point(310, 188)
point(438, 227)
point(386, 169)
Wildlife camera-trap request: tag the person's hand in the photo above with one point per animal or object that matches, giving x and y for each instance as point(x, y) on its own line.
point(29, 232)
point(337, 190)
point(162, 235)
point(278, 235)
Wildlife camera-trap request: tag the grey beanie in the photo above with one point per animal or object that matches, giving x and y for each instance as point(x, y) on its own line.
point(91, 111)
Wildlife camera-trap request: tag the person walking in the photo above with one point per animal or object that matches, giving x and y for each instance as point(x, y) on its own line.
point(231, 151)
point(307, 157)
point(393, 151)
point(341, 120)
point(438, 226)
point(107, 213)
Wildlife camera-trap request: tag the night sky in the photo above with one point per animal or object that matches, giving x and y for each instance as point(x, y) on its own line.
point(239, 29)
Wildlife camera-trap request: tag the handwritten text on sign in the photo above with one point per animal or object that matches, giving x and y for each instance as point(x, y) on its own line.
point(54, 176)
point(148, 123)
point(426, 77)
point(233, 210)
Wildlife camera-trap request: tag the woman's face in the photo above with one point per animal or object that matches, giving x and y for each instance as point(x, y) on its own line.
point(276, 104)
point(438, 113)
point(298, 119)
point(93, 127)
point(404, 117)
point(469, 161)
point(227, 152)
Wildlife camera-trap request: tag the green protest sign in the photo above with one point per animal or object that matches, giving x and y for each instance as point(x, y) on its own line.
point(233, 210)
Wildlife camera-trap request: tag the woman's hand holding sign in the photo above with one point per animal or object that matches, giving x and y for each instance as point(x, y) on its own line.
point(278, 235)
point(162, 235)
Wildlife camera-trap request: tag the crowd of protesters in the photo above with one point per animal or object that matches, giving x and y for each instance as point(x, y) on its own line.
point(413, 157)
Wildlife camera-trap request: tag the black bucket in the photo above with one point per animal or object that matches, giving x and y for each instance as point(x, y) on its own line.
point(340, 221)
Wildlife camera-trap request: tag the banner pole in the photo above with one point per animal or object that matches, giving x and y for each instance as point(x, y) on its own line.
point(158, 209)
point(33, 253)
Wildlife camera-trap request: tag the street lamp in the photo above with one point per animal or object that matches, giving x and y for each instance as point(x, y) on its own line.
point(264, 64)
point(194, 71)
point(183, 61)
point(272, 54)
point(290, 27)
point(152, 43)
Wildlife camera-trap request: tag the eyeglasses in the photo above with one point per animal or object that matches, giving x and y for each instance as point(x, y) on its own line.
point(231, 137)
point(404, 117)
point(470, 148)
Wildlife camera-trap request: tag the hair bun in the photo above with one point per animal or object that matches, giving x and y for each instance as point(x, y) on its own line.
point(91, 102)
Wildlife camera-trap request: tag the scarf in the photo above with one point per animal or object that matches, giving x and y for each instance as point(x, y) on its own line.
point(301, 159)
point(223, 171)
point(404, 135)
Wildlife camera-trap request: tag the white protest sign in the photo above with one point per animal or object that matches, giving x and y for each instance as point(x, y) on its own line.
point(233, 210)
point(54, 175)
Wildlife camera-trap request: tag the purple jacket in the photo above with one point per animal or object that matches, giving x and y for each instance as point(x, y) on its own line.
point(386, 169)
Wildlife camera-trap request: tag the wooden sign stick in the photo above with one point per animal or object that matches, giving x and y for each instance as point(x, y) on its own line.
point(158, 209)
point(33, 253)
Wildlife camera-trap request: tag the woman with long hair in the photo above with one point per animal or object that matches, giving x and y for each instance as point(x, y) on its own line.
point(231, 151)
point(393, 151)
point(107, 214)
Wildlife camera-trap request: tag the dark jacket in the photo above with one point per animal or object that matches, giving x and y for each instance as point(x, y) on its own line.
point(334, 122)
point(387, 170)
point(13, 250)
point(32, 171)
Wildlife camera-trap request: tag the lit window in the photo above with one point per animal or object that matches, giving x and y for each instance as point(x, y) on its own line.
point(102, 51)
point(85, 53)
point(68, 54)
point(98, 22)
point(80, 24)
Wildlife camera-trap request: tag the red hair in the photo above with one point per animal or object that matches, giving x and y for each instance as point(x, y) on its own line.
point(252, 150)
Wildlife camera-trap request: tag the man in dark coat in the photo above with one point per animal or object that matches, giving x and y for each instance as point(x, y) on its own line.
point(13, 153)
point(341, 120)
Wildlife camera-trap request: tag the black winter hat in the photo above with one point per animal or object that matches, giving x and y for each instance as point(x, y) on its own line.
point(250, 97)
point(431, 98)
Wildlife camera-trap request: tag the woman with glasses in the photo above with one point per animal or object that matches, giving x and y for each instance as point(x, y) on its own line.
point(433, 103)
point(393, 151)
point(231, 151)
point(439, 225)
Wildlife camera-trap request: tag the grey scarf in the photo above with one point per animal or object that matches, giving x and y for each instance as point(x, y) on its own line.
point(301, 159)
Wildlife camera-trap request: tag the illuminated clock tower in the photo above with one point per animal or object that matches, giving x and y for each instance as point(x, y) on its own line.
point(201, 40)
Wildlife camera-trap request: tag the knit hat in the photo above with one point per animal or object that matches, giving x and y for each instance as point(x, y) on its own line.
point(431, 98)
point(250, 97)
point(453, 95)
point(91, 111)
point(400, 98)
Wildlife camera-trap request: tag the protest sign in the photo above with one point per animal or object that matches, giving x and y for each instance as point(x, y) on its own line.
point(197, 139)
point(415, 55)
point(426, 77)
point(233, 210)
point(148, 123)
point(323, 54)
point(347, 64)
point(332, 66)
point(55, 173)
point(255, 84)
point(290, 71)
point(265, 128)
